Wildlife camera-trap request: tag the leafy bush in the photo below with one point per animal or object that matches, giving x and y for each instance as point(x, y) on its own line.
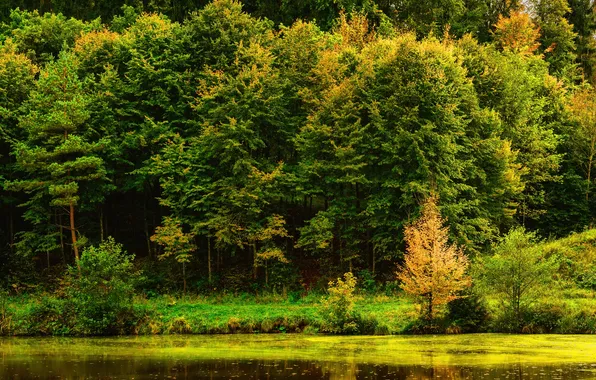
point(579, 320)
point(102, 293)
point(517, 274)
point(468, 313)
point(543, 318)
point(50, 316)
point(337, 308)
point(5, 318)
point(368, 281)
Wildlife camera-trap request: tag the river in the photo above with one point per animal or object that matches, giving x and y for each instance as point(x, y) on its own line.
point(285, 356)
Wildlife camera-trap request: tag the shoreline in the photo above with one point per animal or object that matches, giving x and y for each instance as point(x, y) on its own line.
point(35, 316)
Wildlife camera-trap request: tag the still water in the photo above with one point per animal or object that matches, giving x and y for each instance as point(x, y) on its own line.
point(482, 356)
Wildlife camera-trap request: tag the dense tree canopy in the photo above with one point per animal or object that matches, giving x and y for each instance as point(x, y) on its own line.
point(277, 143)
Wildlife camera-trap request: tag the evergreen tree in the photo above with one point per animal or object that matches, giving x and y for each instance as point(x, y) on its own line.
point(59, 154)
point(557, 37)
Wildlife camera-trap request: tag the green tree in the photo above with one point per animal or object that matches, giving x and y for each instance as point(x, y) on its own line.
point(42, 36)
point(583, 19)
point(530, 105)
point(176, 243)
point(337, 308)
point(17, 79)
point(583, 109)
point(102, 289)
point(58, 154)
point(557, 37)
point(517, 273)
point(221, 181)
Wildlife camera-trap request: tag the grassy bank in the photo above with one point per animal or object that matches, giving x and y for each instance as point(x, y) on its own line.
point(45, 315)
point(30, 315)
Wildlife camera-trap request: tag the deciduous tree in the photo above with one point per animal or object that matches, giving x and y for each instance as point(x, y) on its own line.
point(516, 273)
point(434, 270)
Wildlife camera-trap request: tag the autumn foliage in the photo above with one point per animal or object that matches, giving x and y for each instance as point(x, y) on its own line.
point(434, 271)
point(517, 33)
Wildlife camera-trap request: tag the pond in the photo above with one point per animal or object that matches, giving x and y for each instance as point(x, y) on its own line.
point(285, 356)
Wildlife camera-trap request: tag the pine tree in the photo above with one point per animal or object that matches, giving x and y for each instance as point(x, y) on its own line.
point(60, 161)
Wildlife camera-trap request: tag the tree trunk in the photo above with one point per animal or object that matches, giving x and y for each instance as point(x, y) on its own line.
point(106, 225)
point(430, 308)
point(73, 235)
point(146, 227)
point(590, 161)
point(61, 237)
point(11, 229)
point(184, 278)
point(101, 231)
point(254, 252)
point(374, 259)
point(209, 257)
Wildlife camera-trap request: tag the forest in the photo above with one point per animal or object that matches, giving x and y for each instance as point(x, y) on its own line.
point(161, 157)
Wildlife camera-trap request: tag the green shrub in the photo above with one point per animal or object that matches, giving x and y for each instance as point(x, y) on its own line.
point(337, 308)
point(579, 320)
point(587, 279)
point(544, 318)
point(468, 313)
point(49, 316)
point(5, 317)
point(102, 293)
point(517, 274)
point(368, 281)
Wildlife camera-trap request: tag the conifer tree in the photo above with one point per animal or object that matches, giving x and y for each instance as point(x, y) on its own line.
point(434, 271)
point(58, 156)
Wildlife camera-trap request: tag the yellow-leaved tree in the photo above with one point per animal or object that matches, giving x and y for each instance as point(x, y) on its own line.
point(517, 33)
point(434, 270)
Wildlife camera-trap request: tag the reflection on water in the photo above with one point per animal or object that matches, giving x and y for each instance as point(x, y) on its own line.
point(99, 368)
point(298, 357)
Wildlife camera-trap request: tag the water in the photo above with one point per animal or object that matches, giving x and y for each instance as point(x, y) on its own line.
point(483, 356)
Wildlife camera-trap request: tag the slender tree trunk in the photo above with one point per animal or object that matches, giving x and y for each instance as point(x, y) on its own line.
point(254, 252)
point(11, 228)
point(209, 257)
point(105, 220)
point(184, 278)
point(267, 273)
point(73, 235)
point(430, 308)
point(146, 227)
point(590, 163)
point(61, 237)
point(374, 260)
point(101, 231)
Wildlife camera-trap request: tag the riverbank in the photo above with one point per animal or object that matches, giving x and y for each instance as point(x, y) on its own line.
point(29, 315)
point(34, 316)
